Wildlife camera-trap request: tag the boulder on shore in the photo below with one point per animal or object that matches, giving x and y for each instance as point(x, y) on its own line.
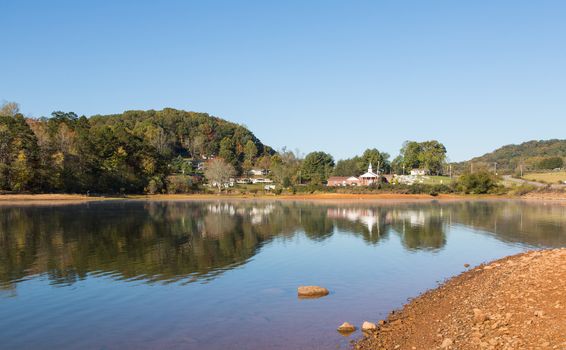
point(346, 328)
point(369, 326)
point(312, 291)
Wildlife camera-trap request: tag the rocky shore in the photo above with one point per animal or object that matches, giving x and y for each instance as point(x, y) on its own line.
point(518, 302)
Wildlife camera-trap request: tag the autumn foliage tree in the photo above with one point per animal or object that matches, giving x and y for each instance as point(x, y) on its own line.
point(218, 172)
point(130, 152)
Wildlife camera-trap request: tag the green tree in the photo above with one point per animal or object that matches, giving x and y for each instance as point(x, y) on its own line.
point(250, 151)
point(428, 155)
point(432, 157)
point(21, 173)
point(316, 167)
point(551, 163)
point(227, 151)
point(18, 154)
point(379, 161)
point(348, 167)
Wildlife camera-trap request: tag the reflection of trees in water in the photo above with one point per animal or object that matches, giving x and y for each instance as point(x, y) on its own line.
point(193, 241)
point(315, 223)
point(420, 227)
point(530, 223)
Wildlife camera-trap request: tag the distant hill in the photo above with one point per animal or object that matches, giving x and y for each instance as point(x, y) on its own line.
point(532, 155)
point(131, 152)
point(177, 132)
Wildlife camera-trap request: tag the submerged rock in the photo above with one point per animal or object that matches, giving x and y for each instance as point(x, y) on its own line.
point(312, 291)
point(346, 328)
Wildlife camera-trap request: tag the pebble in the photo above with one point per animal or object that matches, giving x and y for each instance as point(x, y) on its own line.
point(479, 316)
point(446, 343)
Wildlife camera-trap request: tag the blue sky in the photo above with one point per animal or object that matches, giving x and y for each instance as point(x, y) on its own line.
point(338, 76)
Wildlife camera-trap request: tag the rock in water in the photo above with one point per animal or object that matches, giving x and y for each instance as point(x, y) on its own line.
point(368, 326)
point(312, 291)
point(346, 328)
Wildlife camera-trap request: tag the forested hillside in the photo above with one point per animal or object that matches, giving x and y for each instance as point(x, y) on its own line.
point(531, 155)
point(116, 153)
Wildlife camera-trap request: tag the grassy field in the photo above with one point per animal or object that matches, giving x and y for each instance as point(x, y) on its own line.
point(252, 187)
point(437, 180)
point(552, 177)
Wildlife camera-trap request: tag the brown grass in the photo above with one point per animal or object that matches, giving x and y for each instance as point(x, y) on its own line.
point(550, 177)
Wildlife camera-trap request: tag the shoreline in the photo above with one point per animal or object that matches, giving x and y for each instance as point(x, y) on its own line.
point(316, 197)
point(515, 302)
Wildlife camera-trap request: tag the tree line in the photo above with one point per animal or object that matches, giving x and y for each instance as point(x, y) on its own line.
point(132, 152)
point(157, 151)
point(533, 155)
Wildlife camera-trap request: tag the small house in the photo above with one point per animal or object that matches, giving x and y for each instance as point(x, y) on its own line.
point(418, 172)
point(339, 181)
point(258, 172)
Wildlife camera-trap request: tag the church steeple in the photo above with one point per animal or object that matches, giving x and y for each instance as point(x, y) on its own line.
point(370, 168)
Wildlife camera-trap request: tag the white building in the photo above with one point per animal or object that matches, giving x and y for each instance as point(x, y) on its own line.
point(369, 177)
point(258, 172)
point(418, 172)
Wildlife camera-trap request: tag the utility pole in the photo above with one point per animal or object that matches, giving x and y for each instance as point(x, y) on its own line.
point(450, 165)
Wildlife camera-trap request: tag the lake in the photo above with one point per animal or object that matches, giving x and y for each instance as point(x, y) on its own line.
point(224, 275)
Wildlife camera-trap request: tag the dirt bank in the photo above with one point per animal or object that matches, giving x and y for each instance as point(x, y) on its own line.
point(557, 195)
point(45, 199)
point(301, 197)
point(518, 302)
point(315, 197)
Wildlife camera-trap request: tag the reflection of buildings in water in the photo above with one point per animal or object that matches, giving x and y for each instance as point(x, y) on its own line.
point(222, 208)
point(413, 217)
point(255, 213)
point(368, 217)
point(374, 218)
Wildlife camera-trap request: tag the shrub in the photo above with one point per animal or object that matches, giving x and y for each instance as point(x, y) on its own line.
point(154, 185)
point(523, 189)
point(477, 183)
point(179, 184)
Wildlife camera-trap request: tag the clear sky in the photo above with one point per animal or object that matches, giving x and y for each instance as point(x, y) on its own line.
point(338, 76)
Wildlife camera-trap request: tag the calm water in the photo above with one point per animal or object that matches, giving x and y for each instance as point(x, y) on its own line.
point(187, 275)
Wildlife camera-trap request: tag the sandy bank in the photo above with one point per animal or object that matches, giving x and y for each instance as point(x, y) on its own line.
point(518, 302)
point(51, 199)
